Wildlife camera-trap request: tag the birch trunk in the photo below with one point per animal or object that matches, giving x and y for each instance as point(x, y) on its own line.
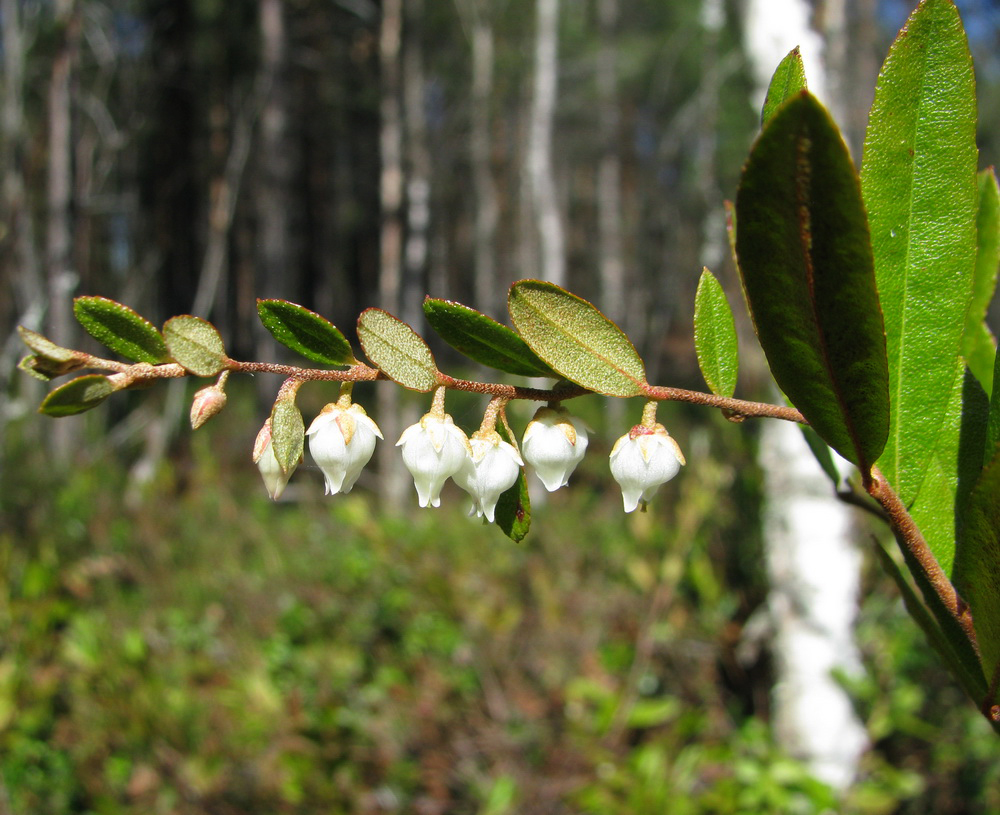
point(812, 563)
point(540, 168)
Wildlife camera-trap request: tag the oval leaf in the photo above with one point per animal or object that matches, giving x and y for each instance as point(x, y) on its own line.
point(483, 339)
point(76, 396)
point(715, 336)
point(513, 511)
point(195, 344)
point(119, 328)
point(806, 264)
point(287, 434)
point(305, 332)
point(788, 80)
point(919, 183)
point(397, 350)
point(576, 339)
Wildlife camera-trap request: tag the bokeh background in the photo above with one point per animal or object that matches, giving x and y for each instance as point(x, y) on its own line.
point(173, 642)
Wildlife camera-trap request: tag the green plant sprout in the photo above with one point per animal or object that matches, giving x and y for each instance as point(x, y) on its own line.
point(868, 293)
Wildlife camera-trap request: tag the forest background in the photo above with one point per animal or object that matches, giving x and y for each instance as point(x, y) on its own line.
point(173, 642)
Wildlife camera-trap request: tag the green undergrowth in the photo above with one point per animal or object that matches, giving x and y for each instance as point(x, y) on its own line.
point(207, 651)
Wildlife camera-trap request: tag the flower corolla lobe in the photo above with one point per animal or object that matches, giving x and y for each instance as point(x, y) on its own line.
point(642, 460)
point(342, 441)
point(433, 450)
point(554, 443)
point(490, 470)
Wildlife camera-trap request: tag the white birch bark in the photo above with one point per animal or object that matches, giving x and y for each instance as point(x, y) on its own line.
point(540, 167)
point(812, 562)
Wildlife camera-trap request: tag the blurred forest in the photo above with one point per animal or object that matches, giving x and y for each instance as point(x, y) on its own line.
point(189, 156)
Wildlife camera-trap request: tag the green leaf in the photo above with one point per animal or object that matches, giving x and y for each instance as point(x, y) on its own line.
point(49, 360)
point(993, 421)
point(788, 80)
point(806, 264)
point(823, 454)
point(978, 343)
point(919, 183)
point(976, 574)
point(483, 339)
point(715, 336)
point(77, 395)
point(513, 510)
point(576, 339)
point(305, 332)
point(952, 467)
point(119, 328)
point(961, 659)
point(287, 434)
point(195, 344)
point(397, 350)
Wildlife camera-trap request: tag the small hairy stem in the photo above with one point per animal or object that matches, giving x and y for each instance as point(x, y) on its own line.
point(910, 537)
point(736, 409)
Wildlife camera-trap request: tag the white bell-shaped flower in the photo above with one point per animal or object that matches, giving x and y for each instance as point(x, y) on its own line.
point(434, 450)
point(342, 441)
point(643, 459)
point(489, 472)
point(554, 443)
point(275, 479)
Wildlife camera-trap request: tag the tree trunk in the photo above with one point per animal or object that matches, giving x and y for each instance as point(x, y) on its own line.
point(540, 168)
point(392, 476)
point(813, 564)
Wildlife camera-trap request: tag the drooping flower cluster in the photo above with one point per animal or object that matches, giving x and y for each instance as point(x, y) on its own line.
point(342, 440)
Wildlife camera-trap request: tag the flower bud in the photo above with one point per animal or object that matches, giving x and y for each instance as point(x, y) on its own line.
point(342, 441)
point(643, 459)
point(434, 450)
point(206, 403)
point(554, 443)
point(489, 472)
point(275, 479)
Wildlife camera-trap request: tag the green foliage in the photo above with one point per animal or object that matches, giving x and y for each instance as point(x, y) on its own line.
point(77, 396)
point(483, 339)
point(715, 336)
point(573, 337)
point(919, 182)
point(978, 343)
point(287, 433)
point(305, 332)
point(195, 344)
point(397, 350)
point(789, 80)
point(806, 264)
point(120, 329)
point(513, 510)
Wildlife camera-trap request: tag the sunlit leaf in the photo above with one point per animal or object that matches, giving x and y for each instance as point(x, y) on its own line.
point(919, 184)
point(120, 329)
point(195, 344)
point(788, 80)
point(287, 433)
point(806, 264)
point(397, 350)
point(77, 395)
point(305, 332)
point(576, 339)
point(715, 336)
point(978, 343)
point(483, 339)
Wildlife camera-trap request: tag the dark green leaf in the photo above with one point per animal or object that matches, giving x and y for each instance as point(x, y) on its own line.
point(788, 80)
point(576, 339)
point(77, 395)
point(287, 434)
point(305, 332)
point(978, 344)
point(919, 183)
point(120, 329)
point(195, 344)
point(993, 422)
point(483, 339)
point(397, 350)
point(806, 264)
point(976, 574)
point(715, 336)
point(513, 510)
